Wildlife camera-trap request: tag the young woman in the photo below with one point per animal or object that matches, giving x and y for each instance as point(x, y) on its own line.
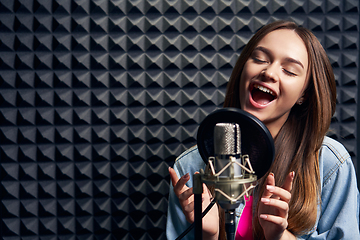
point(284, 78)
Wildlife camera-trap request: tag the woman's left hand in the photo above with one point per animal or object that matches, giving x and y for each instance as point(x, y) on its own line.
point(274, 208)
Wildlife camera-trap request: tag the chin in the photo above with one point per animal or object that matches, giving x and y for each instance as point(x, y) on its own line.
point(255, 113)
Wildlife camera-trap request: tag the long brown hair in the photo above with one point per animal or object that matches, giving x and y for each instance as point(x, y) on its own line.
point(301, 136)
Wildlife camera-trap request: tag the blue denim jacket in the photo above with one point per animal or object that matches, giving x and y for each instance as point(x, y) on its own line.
point(338, 212)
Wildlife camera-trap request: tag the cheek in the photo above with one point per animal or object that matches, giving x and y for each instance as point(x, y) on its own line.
point(250, 70)
point(293, 92)
point(245, 76)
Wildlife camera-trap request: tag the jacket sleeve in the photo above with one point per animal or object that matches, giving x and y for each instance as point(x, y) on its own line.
point(338, 216)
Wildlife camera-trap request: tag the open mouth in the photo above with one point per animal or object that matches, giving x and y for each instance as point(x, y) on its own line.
point(262, 95)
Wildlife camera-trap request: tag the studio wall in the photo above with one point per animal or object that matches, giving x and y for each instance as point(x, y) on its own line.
point(97, 98)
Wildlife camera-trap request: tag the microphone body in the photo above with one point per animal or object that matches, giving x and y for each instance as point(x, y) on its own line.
point(227, 148)
point(229, 170)
point(227, 143)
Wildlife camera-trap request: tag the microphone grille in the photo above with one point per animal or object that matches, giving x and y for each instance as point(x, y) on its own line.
point(227, 139)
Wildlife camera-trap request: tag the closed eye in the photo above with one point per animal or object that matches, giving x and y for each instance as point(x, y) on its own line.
point(259, 60)
point(289, 73)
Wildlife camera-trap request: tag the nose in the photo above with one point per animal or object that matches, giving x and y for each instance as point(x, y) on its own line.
point(271, 73)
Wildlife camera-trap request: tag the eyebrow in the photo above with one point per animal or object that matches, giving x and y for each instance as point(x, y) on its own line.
point(288, 59)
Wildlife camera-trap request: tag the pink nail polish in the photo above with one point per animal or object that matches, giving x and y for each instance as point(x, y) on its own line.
point(270, 188)
point(263, 216)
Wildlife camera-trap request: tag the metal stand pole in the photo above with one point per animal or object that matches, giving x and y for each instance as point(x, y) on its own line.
point(230, 224)
point(197, 190)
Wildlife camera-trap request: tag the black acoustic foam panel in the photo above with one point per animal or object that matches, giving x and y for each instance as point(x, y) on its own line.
point(98, 97)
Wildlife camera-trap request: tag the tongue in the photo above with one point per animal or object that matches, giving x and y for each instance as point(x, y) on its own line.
point(261, 97)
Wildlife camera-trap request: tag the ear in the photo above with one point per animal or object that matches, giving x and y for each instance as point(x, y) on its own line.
point(300, 100)
point(303, 97)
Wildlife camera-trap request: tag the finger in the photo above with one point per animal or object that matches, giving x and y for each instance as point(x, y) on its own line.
point(173, 176)
point(283, 192)
point(179, 185)
point(270, 181)
point(185, 195)
point(281, 206)
point(275, 219)
point(189, 208)
point(289, 181)
point(279, 193)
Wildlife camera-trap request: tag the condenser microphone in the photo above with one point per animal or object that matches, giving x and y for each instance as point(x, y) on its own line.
point(230, 172)
point(238, 149)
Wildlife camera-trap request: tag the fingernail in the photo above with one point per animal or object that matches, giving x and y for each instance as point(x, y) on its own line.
point(169, 169)
point(265, 200)
point(263, 216)
point(270, 188)
point(186, 175)
point(292, 174)
point(272, 174)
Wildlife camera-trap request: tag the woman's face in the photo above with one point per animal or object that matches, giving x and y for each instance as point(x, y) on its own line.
point(274, 78)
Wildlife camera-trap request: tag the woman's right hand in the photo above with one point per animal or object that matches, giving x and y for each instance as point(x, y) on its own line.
point(185, 195)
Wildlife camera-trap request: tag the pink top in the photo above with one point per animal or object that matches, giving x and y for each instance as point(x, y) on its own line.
point(244, 229)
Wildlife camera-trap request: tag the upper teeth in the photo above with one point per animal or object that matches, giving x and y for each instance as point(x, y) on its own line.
point(264, 89)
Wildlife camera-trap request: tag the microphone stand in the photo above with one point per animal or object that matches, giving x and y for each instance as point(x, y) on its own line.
point(229, 208)
point(230, 224)
point(197, 190)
